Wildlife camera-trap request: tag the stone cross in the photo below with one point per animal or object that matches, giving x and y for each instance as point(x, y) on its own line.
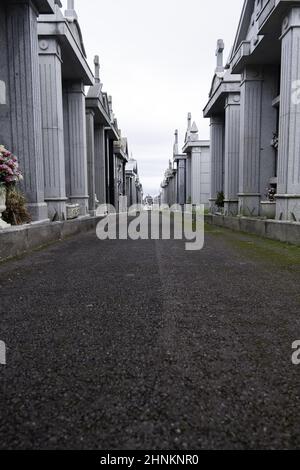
point(97, 69)
point(219, 55)
point(70, 13)
point(176, 150)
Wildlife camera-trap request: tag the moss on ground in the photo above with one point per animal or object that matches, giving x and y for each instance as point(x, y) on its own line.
point(277, 253)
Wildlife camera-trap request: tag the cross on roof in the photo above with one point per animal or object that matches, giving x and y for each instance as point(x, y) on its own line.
point(97, 69)
point(219, 55)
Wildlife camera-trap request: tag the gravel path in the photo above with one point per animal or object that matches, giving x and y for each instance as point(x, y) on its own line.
point(142, 345)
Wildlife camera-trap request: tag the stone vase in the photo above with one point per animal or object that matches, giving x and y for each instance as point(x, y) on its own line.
point(3, 225)
point(268, 209)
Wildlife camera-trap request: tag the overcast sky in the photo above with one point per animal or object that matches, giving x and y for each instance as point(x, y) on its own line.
point(157, 61)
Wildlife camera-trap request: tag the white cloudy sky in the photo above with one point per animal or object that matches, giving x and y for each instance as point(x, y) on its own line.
point(157, 60)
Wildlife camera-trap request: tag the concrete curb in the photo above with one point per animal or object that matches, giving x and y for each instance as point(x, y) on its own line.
point(282, 231)
point(18, 240)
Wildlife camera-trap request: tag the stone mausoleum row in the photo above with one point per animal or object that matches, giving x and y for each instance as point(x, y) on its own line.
point(251, 166)
point(71, 151)
point(254, 112)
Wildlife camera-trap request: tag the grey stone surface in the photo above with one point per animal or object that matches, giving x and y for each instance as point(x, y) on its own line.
point(282, 231)
point(19, 240)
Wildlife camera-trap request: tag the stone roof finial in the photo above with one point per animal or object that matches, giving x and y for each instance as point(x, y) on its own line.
point(219, 55)
point(189, 125)
point(110, 106)
point(189, 120)
point(97, 69)
point(194, 132)
point(70, 13)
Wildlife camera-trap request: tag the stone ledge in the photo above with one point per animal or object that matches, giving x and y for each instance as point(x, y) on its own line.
point(283, 231)
point(18, 240)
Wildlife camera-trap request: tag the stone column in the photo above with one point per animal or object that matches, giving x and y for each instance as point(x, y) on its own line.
point(181, 182)
point(75, 145)
point(250, 142)
point(217, 158)
point(53, 128)
point(100, 166)
point(188, 179)
point(24, 103)
point(90, 137)
point(288, 197)
point(232, 151)
point(112, 171)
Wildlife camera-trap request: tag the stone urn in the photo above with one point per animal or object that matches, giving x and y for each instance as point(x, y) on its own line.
point(3, 225)
point(268, 209)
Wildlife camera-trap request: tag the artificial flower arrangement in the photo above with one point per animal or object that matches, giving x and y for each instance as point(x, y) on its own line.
point(13, 207)
point(271, 194)
point(9, 168)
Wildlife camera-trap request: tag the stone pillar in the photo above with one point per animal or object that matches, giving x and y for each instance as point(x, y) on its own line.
point(75, 145)
point(53, 128)
point(217, 159)
point(288, 190)
point(174, 188)
point(23, 105)
point(110, 169)
point(181, 182)
point(100, 166)
point(232, 153)
point(189, 179)
point(250, 142)
point(90, 138)
point(269, 128)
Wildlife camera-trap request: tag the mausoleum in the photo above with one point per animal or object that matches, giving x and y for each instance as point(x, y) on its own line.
point(187, 179)
point(55, 116)
point(254, 112)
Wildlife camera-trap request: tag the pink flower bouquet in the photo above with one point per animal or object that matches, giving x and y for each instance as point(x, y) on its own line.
point(9, 168)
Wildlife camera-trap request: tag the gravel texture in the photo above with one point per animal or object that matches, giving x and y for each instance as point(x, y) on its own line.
point(142, 345)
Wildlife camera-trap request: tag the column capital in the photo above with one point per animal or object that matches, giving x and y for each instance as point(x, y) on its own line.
point(75, 86)
point(291, 20)
point(49, 46)
point(89, 111)
point(216, 121)
point(233, 99)
point(252, 73)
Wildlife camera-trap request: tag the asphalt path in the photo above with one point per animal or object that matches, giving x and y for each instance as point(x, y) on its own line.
point(143, 345)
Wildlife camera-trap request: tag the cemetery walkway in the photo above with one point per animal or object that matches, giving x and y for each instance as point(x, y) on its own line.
point(142, 345)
